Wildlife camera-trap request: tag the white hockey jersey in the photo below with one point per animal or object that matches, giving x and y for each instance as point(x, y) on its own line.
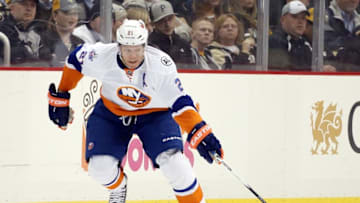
point(153, 86)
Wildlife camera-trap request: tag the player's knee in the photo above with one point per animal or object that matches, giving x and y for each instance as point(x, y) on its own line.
point(103, 168)
point(176, 168)
point(178, 171)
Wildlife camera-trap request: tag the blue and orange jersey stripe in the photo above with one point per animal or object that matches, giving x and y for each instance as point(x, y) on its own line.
point(69, 79)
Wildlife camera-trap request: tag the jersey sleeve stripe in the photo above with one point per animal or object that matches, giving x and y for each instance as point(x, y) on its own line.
point(72, 59)
point(69, 79)
point(188, 119)
point(179, 112)
point(181, 102)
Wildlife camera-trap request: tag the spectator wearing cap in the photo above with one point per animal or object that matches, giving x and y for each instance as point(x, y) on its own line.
point(90, 32)
point(59, 41)
point(288, 48)
point(164, 36)
point(21, 29)
point(305, 2)
point(342, 35)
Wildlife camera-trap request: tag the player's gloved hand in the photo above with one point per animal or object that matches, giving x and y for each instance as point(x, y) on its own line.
point(59, 111)
point(202, 139)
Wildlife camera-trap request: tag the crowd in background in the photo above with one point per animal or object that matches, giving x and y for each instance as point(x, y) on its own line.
point(197, 34)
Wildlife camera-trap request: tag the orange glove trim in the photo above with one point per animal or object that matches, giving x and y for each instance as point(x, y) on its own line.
point(58, 102)
point(199, 136)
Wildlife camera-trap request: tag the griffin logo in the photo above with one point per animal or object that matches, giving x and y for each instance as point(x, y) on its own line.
point(326, 125)
point(133, 96)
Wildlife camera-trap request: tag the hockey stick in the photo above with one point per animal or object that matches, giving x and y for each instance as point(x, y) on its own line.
point(219, 160)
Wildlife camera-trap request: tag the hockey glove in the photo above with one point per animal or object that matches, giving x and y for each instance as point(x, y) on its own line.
point(202, 139)
point(59, 111)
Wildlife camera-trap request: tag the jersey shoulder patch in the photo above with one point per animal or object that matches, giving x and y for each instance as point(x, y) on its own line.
point(160, 60)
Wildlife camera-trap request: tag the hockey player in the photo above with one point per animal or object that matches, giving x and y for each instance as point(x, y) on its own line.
point(141, 94)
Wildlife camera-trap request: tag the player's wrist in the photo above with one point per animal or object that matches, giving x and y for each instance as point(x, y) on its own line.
point(198, 133)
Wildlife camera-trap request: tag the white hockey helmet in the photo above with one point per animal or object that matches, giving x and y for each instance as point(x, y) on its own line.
point(132, 32)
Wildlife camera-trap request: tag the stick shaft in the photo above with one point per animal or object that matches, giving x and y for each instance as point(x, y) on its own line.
point(219, 160)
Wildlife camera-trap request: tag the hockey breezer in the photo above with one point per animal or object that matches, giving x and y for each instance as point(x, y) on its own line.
point(219, 160)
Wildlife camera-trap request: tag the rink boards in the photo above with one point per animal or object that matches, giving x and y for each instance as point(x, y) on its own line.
point(269, 126)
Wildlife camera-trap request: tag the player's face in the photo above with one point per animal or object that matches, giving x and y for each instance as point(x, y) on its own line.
point(132, 56)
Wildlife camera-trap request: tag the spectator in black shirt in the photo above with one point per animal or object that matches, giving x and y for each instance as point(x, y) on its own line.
point(21, 29)
point(288, 48)
point(164, 37)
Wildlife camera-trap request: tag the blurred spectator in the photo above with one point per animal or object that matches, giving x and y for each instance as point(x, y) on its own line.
point(135, 3)
point(288, 49)
point(59, 41)
point(206, 8)
point(202, 35)
point(85, 7)
point(164, 37)
point(43, 10)
point(194, 9)
point(139, 13)
point(227, 49)
point(120, 15)
point(308, 34)
point(246, 12)
point(90, 32)
point(4, 11)
point(275, 11)
point(342, 35)
point(21, 29)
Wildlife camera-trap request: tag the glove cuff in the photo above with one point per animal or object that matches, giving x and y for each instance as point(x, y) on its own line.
point(198, 133)
point(58, 101)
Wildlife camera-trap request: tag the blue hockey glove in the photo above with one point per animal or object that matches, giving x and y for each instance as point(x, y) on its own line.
point(202, 139)
point(59, 110)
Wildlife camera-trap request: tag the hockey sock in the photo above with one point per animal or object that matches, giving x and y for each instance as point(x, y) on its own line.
point(178, 171)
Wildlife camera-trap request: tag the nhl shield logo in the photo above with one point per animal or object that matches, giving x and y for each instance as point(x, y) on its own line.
point(166, 61)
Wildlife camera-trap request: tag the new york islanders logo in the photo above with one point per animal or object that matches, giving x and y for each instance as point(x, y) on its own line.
point(133, 96)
